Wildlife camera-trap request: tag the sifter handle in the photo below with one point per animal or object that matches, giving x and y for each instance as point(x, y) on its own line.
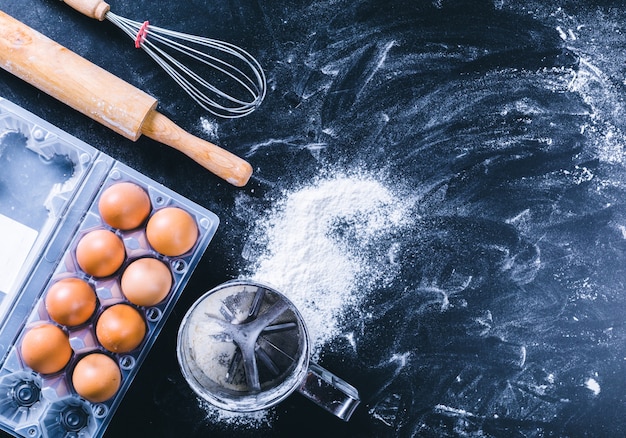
point(329, 392)
point(92, 8)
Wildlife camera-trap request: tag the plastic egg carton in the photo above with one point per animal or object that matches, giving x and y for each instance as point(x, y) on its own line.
point(48, 202)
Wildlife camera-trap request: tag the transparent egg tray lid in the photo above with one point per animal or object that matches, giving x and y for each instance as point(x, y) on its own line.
point(52, 188)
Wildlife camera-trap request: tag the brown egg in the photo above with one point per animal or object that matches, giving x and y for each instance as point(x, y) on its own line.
point(120, 328)
point(124, 205)
point(146, 282)
point(70, 301)
point(172, 231)
point(96, 377)
point(100, 253)
point(46, 348)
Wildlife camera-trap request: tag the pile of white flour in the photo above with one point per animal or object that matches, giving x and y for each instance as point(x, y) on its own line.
point(316, 247)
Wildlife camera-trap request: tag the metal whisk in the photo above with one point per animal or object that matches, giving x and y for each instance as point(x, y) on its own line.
point(233, 86)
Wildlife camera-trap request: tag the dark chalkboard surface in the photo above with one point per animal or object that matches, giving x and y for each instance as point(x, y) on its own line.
point(459, 168)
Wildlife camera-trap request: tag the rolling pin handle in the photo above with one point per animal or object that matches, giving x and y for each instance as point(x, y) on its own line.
point(219, 161)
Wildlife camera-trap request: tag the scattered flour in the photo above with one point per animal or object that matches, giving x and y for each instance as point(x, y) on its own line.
point(593, 386)
point(236, 420)
point(209, 127)
point(316, 247)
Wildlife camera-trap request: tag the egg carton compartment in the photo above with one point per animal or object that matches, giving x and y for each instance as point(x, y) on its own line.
point(44, 395)
point(20, 399)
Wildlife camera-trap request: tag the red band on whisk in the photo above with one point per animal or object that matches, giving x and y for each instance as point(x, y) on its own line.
point(142, 33)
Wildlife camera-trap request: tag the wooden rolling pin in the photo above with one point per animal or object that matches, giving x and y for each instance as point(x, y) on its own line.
point(104, 97)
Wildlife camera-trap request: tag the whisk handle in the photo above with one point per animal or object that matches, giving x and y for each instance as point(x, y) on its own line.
point(92, 8)
point(219, 161)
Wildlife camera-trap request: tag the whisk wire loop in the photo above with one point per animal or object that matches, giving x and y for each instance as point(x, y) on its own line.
point(230, 92)
point(214, 62)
